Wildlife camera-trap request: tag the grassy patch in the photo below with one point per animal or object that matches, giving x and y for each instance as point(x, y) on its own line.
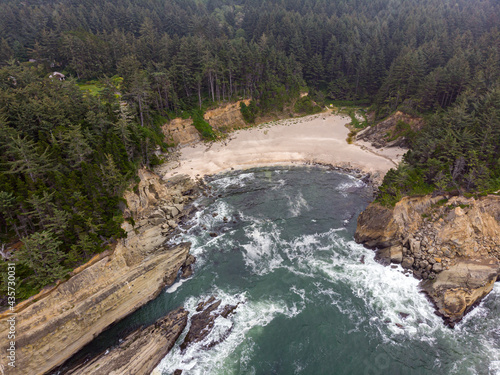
point(92, 87)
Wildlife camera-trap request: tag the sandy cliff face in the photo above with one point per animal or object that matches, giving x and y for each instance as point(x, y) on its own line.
point(452, 244)
point(53, 327)
point(225, 118)
point(181, 132)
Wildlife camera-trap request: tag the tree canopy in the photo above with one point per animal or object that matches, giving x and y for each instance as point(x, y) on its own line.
point(67, 154)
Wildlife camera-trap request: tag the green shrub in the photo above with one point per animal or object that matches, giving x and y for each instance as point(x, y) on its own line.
point(306, 105)
point(202, 126)
point(249, 112)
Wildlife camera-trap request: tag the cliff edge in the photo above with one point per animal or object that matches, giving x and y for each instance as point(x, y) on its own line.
point(452, 244)
point(54, 325)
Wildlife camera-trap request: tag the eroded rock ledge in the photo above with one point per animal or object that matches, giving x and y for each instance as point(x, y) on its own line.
point(55, 325)
point(141, 351)
point(451, 243)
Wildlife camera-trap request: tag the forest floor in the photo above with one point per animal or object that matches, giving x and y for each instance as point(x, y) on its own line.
point(315, 139)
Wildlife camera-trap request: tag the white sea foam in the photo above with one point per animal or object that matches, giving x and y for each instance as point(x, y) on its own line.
point(350, 186)
point(297, 204)
point(261, 253)
point(172, 288)
point(232, 331)
point(238, 180)
point(279, 184)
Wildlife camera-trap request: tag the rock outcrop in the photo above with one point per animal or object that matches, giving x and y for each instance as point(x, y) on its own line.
point(181, 131)
point(203, 322)
point(392, 132)
point(141, 351)
point(228, 117)
point(456, 290)
point(225, 118)
point(53, 326)
point(452, 243)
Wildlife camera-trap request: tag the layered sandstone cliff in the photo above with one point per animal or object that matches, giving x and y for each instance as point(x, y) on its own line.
point(228, 117)
point(141, 351)
point(453, 245)
point(53, 326)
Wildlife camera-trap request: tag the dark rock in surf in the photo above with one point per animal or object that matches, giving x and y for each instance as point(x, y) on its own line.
point(203, 322)
point(404, 315)
point(187, 269)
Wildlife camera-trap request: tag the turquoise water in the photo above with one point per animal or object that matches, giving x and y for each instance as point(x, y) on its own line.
point(308, 304)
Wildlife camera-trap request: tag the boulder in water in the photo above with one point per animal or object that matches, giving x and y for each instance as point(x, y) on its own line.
point(203, 322)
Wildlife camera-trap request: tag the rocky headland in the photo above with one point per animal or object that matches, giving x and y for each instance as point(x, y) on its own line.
point(58, 322)
point(452, 244)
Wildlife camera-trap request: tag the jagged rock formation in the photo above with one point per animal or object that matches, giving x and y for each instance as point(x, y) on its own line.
point(387, 133)
point(450, 243)
point(141, 351)
point(203, 322)
point(52, 326)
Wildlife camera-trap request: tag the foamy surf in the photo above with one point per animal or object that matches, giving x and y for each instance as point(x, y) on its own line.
point(232, 332)
point(287, 256)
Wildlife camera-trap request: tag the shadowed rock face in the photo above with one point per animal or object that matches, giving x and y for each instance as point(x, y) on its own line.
point(141, 351)
point(387, 133)
point(452, 244)
point(54, 326)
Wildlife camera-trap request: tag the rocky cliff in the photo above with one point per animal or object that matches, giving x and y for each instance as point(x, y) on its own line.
point(141, 351)
point(56, 324)
point(181, 131)
point(225, 118)
point(451, 243)
point(391, 132)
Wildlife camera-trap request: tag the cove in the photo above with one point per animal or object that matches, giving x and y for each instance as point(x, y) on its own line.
point(311, 300)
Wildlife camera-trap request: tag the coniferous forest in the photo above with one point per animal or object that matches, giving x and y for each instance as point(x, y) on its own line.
point(70, 147)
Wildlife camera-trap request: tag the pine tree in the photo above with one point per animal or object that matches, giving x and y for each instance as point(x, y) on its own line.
point(41, 252)
point(26, 159)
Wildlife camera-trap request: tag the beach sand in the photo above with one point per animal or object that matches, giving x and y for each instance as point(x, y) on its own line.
point(319, 138)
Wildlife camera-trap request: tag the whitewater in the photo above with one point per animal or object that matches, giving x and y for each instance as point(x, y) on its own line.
point(310, 300)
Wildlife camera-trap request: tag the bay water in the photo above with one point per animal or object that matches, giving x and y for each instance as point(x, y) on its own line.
point(310, 300)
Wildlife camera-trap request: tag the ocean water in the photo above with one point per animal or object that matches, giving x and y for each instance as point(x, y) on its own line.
point(311, 300)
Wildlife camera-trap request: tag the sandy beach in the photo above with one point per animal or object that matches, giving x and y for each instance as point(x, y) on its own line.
point(319, 138)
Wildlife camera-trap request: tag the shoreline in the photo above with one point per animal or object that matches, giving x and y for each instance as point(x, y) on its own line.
point(315, 139)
